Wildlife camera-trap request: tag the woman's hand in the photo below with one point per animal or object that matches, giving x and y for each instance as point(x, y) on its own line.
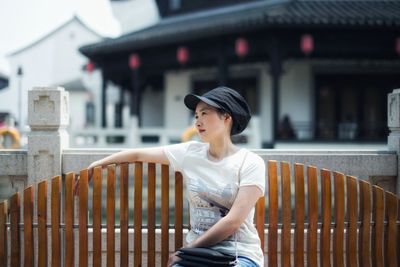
point(90, 173)
point(173, 258)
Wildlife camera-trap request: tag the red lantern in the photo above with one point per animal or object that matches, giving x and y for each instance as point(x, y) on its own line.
point(182, 55)
point(307, 43)
point(398, 46)
point(90, 66)
point(241, 47)
point(134, 61)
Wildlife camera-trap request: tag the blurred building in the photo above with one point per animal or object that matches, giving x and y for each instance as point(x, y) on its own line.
point(51, 60)
point(327, 65)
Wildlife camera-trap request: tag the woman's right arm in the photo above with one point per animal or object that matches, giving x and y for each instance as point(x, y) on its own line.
point(153, 154)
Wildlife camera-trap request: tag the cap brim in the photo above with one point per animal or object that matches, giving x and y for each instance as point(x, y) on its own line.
point(192, 100)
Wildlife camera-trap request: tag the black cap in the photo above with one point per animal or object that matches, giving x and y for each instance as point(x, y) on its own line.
point(226, 99)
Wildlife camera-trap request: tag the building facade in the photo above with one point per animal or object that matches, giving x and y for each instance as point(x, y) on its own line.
point(311, 70)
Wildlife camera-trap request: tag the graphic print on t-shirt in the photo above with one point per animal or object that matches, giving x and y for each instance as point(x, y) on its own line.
point(208, 203)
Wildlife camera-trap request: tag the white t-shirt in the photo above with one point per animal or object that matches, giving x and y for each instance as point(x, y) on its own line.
point(211, 189)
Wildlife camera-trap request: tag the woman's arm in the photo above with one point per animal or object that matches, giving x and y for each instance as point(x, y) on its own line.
point(246, 199)
point(154, 154)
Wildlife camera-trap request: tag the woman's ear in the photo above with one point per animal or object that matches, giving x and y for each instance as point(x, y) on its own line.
point(228, 118)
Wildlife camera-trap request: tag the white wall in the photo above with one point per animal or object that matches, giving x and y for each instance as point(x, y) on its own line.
point(177, 85)
point(152, 108)
point(78, 108)
point(296, 95)
point(134, 15)
point(67, 60)
point(266, 116)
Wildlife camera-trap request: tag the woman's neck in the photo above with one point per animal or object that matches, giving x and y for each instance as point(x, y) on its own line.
point(221, 149)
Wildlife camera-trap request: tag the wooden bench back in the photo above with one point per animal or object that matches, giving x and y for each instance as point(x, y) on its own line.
point(302, 203)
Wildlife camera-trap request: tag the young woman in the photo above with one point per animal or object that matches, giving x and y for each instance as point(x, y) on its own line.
point(223, 182)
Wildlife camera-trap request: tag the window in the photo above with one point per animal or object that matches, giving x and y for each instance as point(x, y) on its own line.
point(90, 114)
point(353, 106)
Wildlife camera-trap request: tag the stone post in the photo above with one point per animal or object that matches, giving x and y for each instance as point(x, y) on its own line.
point(48, 117)
point(394, 127)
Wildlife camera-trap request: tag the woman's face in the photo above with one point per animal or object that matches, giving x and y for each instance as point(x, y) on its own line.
point(209, 123)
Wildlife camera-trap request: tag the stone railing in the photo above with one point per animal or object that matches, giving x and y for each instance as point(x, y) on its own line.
point(150, 136)
point(49, 154)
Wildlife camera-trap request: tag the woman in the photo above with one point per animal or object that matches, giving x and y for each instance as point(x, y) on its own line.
point(223, 181)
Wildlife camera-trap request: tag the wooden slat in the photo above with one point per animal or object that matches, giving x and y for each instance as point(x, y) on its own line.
point(178, 210)
point(391, 247)
point(312, 232)
point(260, 220)
point(338, 233)
point(14, 221)
point(352, 218)
point(28, 227)
point(42, 221)
point(3, 234)
point(398, 228)
point(273, 213)
point(111, 215)
point(55, 221)
point(97, 215)
point(151, 210)
point(83, 218)
point(364, 245)
point(378, 228)
point(69, 220)
point(124, 214)
point(299, 215)
point(164, 214)
point(137, 218)
point(326, 207)
point(286, 214)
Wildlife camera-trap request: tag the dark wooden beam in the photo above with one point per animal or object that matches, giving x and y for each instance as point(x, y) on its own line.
point(222, 65)
point(104, 100)
point(118, 109)
point(135, 94)
point(275, 55)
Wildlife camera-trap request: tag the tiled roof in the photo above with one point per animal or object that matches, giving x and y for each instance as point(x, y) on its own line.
point(256, 15)
point(369, 12)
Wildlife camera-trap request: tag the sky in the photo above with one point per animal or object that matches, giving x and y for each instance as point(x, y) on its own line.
point(25, 21)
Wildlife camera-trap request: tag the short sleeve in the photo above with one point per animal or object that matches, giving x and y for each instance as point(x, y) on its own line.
point(175, 154)
point(253, 172)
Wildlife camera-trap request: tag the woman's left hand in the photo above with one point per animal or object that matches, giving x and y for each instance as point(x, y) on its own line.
point(173, 258)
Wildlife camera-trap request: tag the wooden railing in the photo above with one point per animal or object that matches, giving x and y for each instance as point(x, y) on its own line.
point(345, 221)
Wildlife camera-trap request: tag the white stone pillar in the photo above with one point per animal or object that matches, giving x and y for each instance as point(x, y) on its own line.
point(134, 132)
point(394, 127)
point(48, 117)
